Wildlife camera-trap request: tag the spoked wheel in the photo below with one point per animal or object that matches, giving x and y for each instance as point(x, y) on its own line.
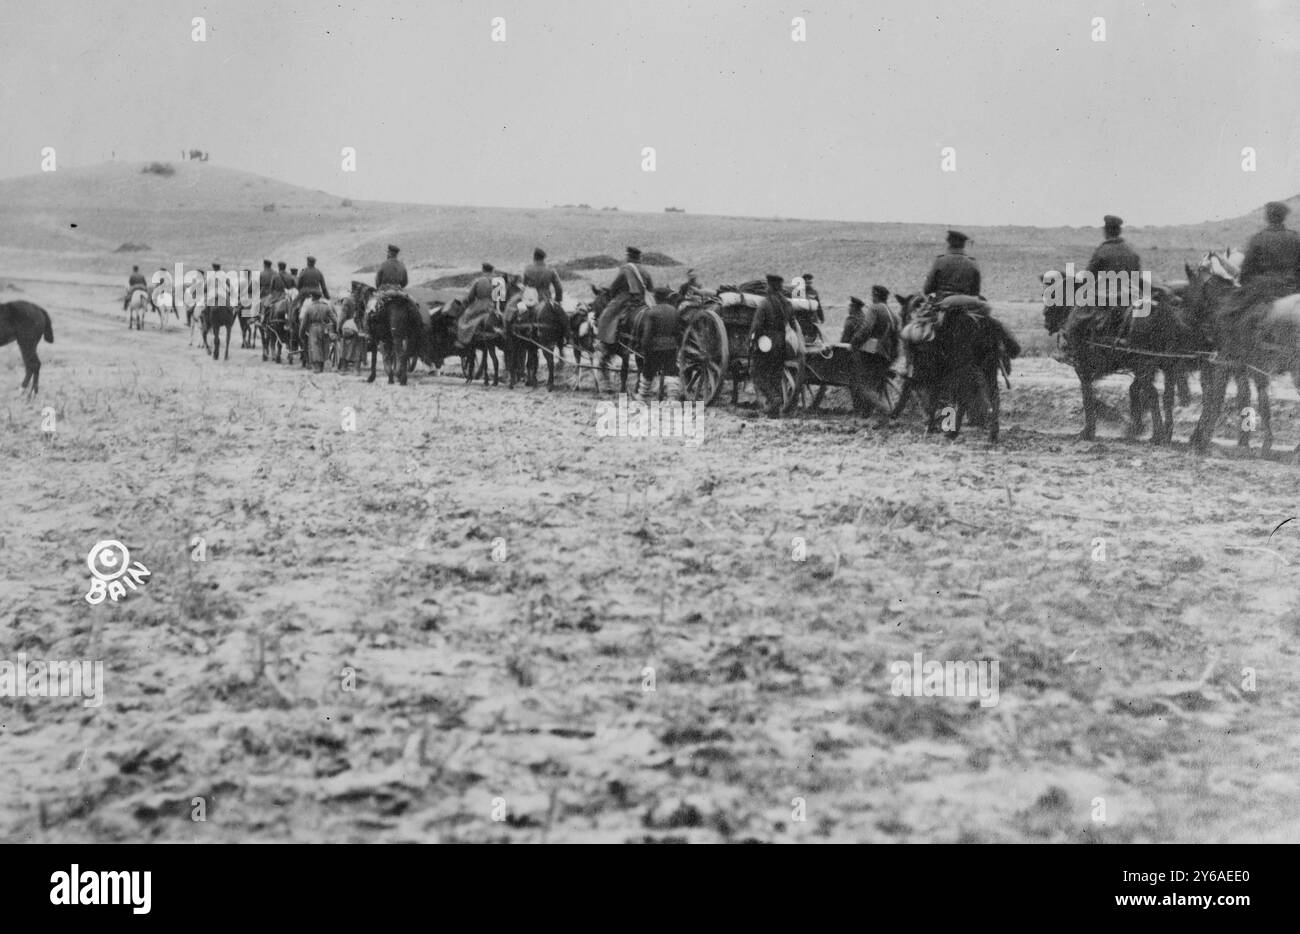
point(703, 357)
point(792, 370)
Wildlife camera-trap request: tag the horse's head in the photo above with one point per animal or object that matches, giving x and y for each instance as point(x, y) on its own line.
point(1055, 312)
point(907, 304)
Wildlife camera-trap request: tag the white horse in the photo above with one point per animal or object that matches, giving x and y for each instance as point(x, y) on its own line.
point(163, 305)
point(137, 306)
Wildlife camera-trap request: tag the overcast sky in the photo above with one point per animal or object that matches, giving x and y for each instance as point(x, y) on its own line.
point(1049, 126)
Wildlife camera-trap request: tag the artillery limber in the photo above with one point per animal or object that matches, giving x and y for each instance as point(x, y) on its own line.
point(715, 347)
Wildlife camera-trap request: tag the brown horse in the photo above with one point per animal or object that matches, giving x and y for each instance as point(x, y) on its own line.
point(543, 327)
point(27, 324)
point(1163, 341)
point(394, 322)
point(959, 366)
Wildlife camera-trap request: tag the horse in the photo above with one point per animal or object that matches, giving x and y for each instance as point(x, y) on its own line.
point(1225, 267)
point(624, 340)
point(26, 323)
point(393, 320)
point(960, 365)
point(218, 317)
point(164, 303)
point(1261, 336)
point(137, 306)
point(1163, 331)
point(274, 325)
point(543, 326)
point(486, 332)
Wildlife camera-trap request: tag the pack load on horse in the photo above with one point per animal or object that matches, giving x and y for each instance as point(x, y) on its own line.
point(953, 346)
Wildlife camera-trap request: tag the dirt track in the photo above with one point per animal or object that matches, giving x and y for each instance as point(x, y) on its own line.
point(524, 678)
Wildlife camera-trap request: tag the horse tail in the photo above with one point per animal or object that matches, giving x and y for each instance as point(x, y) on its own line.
point(49, 327)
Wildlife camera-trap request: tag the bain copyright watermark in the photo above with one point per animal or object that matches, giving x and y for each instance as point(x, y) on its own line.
point(112, 572)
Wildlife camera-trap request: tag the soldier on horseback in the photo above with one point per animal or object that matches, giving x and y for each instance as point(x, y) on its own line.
point(390, 278)
point(630, 289)
point(543, 280)
point(956, 273)
point(136, 281)
point(1274, 251)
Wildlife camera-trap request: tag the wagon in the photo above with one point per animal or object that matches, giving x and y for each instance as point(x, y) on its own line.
point(715, 348)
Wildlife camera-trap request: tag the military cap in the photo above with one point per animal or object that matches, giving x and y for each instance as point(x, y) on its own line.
point(392, 249)
point(775, 280)
point(539, 254)
point(266, 263)
point(311, 261)
point(216, 267)
point(294, 270)
point(956, 238)
point(279, 265)
point(879, 293)
point(807, 277)
point(135, 268)
point(1111, 222)
point(633, 253)
point(855, 302)
point(662, 292)
point(1275, 211)
point(488, 267)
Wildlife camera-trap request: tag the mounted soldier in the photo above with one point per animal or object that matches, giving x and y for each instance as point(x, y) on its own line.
point(629, 290)
point(767, 341)
point(392, 272)
point(136, 281)
point(542, 280)
point(285, 276)
point(483, 303)
point(311, 282)
point(955, 273)
point(390, 278)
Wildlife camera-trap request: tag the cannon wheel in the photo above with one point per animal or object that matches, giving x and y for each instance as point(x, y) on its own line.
point(703, 357)
point(793, 371)
point(891, 392)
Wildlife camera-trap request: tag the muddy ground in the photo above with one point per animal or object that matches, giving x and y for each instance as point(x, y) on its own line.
point(506, 586)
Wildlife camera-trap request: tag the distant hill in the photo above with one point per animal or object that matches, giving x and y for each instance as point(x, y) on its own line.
point(193, 185)
point(74, 220)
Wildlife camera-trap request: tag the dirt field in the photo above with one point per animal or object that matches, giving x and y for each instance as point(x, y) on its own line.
point(506, 585)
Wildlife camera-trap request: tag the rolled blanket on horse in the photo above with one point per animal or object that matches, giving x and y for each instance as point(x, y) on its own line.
point(477, 317)
point(610, 316)
point(1253, 300)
